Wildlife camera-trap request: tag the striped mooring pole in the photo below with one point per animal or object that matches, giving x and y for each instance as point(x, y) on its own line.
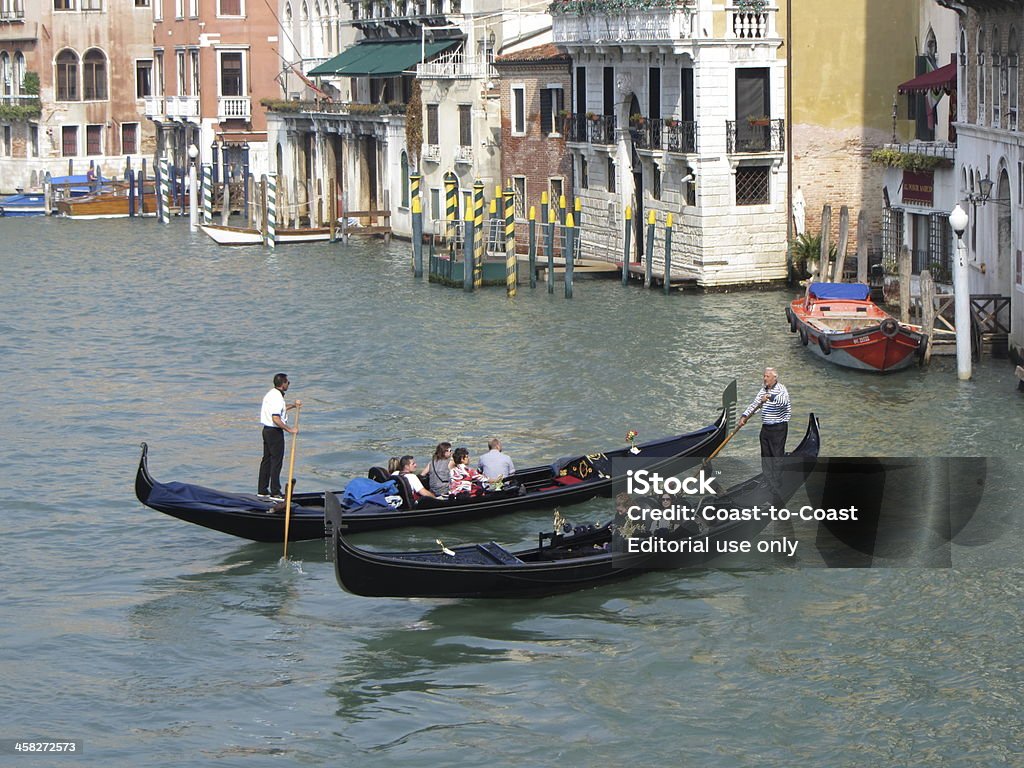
point(451, 207)
point(649, 270)
point(417, 238)
point(271, 181)
point(478, 225)
point(551, 249)
point(468, 249)
point(165, 191)
point(570, 244)
point(626, 237)
point(533, 247)
point(511, 264)
point(207, 194)
point(668, 253)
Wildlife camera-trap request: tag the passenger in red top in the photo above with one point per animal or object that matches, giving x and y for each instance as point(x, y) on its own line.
point(464, 478)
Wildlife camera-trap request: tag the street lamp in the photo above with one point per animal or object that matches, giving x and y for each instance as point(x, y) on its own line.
point(961, 297)
point(193, 196)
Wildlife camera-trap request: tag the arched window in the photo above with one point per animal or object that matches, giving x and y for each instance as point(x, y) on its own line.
point(6, 85)
point(980, 119)
point(997, 79)
point(67, 76)
point(1013, 80)
point(94, 75)
point(961, 78)
point(405, 180)
point(304, 31)
point(19, 71)
point(931, 49)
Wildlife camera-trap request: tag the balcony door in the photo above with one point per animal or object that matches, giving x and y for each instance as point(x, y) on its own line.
point(752, 102)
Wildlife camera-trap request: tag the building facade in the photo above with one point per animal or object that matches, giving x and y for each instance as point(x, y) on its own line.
point(71, 93)
point(681, 109)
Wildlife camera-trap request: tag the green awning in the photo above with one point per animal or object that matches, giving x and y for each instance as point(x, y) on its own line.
point(377, 59)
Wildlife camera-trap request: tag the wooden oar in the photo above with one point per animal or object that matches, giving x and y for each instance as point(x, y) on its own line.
point(730, 437)
point(288, 495)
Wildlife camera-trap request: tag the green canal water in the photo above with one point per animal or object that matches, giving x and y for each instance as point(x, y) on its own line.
point(153, 642)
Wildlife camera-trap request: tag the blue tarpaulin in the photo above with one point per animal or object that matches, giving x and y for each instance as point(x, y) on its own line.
point(363, 490)
point(188, 496)
point(835, 291)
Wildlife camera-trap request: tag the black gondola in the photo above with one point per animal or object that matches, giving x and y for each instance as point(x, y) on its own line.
point(569, 562)
point(564, 482)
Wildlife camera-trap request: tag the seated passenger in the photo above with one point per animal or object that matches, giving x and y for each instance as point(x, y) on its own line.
point(438, 473)
point(464, 478)
point(407, 469)
point(494, 463)
point(393, 465)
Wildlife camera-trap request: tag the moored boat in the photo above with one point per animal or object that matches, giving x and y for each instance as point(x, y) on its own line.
point(228, 235)
point(108, 203)
point(839, 323)
point(561, 562)
point(562, 482)
point(23, 204)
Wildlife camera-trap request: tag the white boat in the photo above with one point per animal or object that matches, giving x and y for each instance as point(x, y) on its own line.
point(225, 235)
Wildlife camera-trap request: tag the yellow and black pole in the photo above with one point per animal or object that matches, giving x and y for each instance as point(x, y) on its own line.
point(668, 253)
point(511, 263)
point(551, 249)
point(533, 247)
point(626, 236)
point(451, 207)
point(468, 250)
point(478, 224)
point(561, 221)
point(414, 185)
point(649, 269)
point(570, 240)
point(417, 238)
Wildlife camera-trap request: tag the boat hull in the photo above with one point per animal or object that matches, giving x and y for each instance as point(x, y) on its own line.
point(24, 204)
point(226, 235)
point(106, 205)
point(854, 334)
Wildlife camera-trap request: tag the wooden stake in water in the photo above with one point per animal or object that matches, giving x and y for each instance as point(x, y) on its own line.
point(291, 474)
point(626, 236)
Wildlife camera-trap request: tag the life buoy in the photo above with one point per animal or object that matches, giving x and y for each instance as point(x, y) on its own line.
point(825, 344)
point(889, 327)
point(803, 336)
point(792, 319)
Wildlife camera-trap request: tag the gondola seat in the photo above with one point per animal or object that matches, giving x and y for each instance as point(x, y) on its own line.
point(498, 553)
point(378, 474)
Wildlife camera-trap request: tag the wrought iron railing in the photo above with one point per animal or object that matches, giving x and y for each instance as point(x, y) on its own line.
point(755, 136)
point(591, 128)
point(666, 134)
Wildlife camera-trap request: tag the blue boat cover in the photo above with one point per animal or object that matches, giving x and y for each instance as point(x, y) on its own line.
point(188, 496)
point(363, 490)
point(836, 291)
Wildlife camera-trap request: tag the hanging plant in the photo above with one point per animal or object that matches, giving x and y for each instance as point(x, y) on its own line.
point(908, 161)
point(752, 6)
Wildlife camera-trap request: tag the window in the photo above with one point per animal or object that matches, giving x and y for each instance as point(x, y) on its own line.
point(961, 74)
point(686, 87)
point(1013, 81)
point(231, 83)
point(656, 182)
point(608, 103)
point(551, 104)
point(69, 140)
point(179, 9)
point(752, 185)
point(63, 5)
point(129, 138)
point(158, 10)
point(92, 5)
point(230, 8)
point(94, 76)
point(67, 76)
point(142, 3)
point(519, 185)
point(611, 175)
point(998, 81)
point(94, 139)
point(193, 61)
point(193, 8)
point(33, 141)
point(5, 141)
point(19, 71)
point(158, 65)
point(556, 191)
point(518, 110)
point(432, 131)
point(435, 204)
point(5, 74)
point(465, 125)
point(980, 85)
point(143, 78)
point(584, 173)
point(581, 90)
point(179, 60)
point(654, 93)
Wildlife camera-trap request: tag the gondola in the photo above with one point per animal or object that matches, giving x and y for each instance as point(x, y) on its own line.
point(561, 483)
point(562, 562)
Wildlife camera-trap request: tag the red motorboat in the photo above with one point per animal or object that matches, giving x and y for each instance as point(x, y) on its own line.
point(840, 323)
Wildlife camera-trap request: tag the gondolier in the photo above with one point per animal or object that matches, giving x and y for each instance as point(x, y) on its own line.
point(773, 399)
point(274, 418)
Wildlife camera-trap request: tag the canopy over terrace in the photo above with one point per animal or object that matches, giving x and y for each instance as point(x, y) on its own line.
point(380, 59)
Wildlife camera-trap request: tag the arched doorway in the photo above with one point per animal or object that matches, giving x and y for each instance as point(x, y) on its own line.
point(1004, 265)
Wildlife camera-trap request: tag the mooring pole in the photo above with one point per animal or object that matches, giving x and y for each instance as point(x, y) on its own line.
point(649, 270)
point(668, 253)
point(551, 250)
point(570, 239)
point(469, 250)
point(417, 238)
point(626, 237)
point(533, 247)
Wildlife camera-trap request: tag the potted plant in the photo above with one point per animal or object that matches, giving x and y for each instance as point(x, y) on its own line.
point(592, 117)
point(671, 122)
point(759, 120)
point(637, 120)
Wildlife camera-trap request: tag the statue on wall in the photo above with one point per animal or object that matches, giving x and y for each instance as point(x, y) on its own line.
point(799, 204)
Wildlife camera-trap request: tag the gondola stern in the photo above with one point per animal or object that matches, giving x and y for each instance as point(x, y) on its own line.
point(144, 481)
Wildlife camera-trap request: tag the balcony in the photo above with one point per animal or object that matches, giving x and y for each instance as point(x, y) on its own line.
point(748, 24)
point(234, 108)
point(155, 108)
point(453, 65)
point(13, 12)
point(653, 25)
point(463, 155)
point(666, 135)
point(182, 107)
point(432, 153)
point(755, 137)
point(591, 128)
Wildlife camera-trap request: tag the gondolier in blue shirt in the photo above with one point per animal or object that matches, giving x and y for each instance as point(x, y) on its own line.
point(773, 400)
point(274, 418)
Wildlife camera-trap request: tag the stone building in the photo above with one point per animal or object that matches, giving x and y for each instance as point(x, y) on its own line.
point(990, 151)
point(84, 61)
point(680, 109)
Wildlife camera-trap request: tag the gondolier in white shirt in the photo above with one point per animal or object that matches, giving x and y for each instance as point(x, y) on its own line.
point(274, 418)
point(773, 400)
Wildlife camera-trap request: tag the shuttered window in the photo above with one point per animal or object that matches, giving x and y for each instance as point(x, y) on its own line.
point(432, 132)
point(465, 125)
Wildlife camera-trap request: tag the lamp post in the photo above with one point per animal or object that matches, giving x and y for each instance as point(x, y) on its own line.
point(193, 194)
point(961, 297)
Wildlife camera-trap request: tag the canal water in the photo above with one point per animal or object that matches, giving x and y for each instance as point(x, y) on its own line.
point(153, 642)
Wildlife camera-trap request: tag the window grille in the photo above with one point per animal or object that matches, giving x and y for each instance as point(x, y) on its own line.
point(752, 185)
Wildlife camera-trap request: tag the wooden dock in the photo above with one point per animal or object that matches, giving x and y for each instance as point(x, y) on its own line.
point(612, 269)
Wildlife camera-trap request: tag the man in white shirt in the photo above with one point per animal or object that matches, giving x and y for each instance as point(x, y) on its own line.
point(494, 463)
point(274, 418)
point(407, 470)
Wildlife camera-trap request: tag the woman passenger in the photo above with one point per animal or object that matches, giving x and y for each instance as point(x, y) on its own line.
point(438, 473)
point(464, 478)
